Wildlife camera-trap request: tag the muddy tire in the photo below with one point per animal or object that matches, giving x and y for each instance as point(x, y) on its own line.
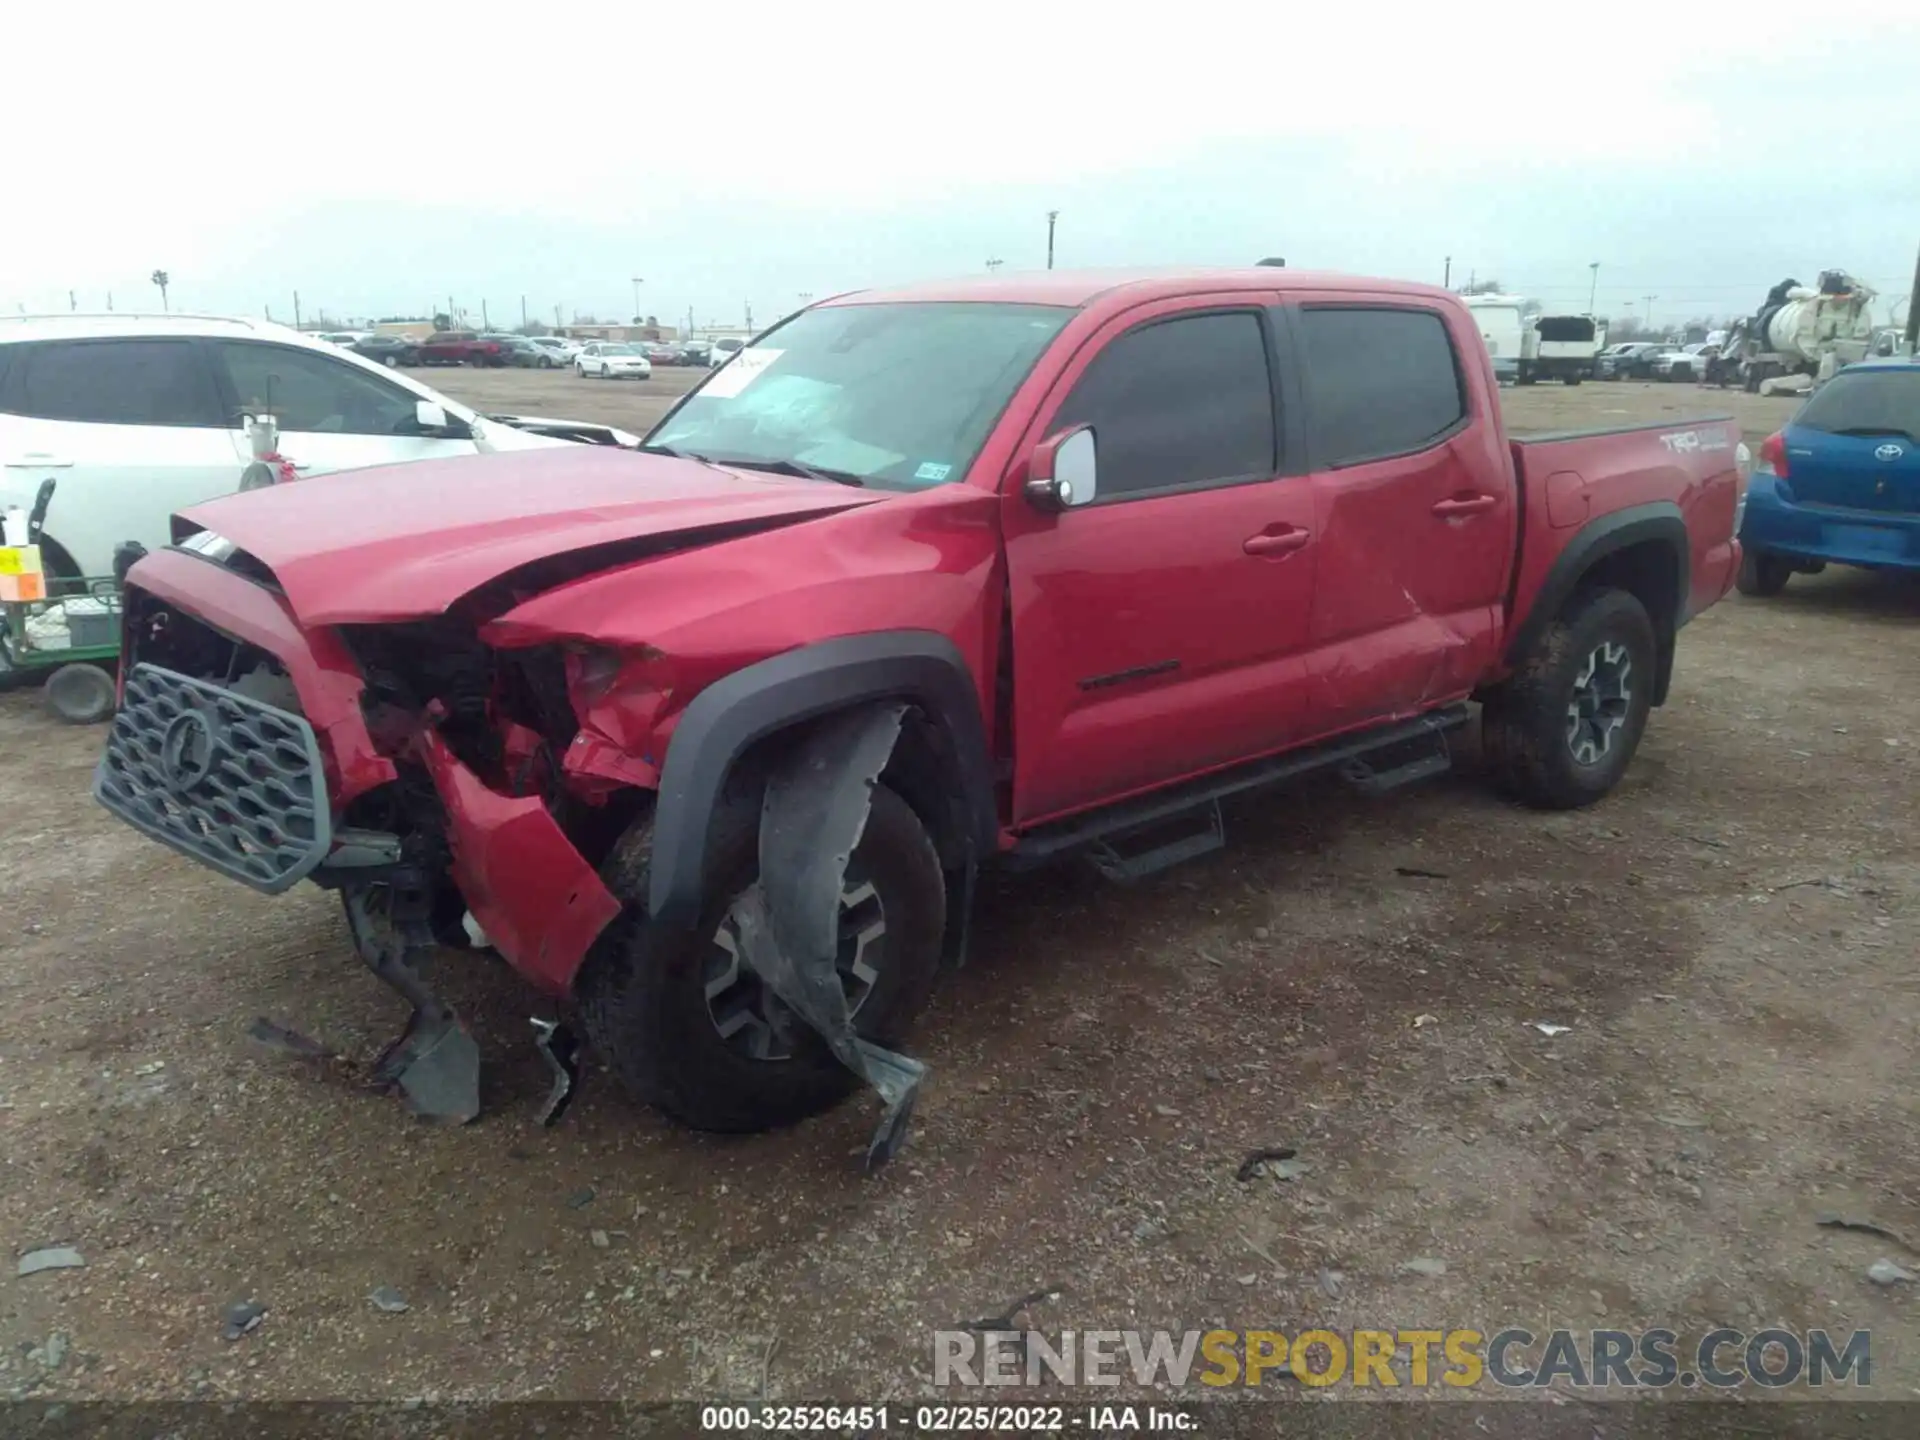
point(1762, 575)
point(1560, 733)
point(645, 1000)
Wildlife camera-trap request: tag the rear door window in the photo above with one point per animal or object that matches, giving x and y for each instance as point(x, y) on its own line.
point(156, 381)
point(1379, 382)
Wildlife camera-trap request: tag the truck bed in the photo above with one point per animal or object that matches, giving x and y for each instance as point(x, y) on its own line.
point(1624, 473)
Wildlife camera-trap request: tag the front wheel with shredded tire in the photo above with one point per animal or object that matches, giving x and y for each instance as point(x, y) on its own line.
point(690, 1029)
point(1561, 731)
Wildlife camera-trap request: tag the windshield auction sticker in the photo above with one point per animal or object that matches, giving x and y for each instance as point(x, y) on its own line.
point(738, 373)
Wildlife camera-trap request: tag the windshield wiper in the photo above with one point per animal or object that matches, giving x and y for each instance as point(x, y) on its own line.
point(794, 467)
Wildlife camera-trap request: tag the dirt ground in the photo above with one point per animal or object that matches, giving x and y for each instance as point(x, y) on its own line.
point(1730, 940)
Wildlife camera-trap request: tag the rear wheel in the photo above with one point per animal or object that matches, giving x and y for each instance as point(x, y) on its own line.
point(1560, 733)
point(688, 1026)
point(1762, 575)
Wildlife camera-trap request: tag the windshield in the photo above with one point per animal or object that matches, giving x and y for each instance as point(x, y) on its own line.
point(1866, 402)
point(617, 350)
point(897, 395)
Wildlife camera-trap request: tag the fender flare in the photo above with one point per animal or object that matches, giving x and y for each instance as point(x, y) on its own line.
point(1660, 522)
point(724, 720)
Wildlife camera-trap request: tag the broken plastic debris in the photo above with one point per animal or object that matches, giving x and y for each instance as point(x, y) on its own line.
point(1548, 1028)
point(287, 1042)
point(390, 1300)
point(54, 1257)
point(241, 1317)
point(1420, 1020)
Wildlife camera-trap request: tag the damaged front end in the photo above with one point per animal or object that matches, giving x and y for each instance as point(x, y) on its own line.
point(448, 788)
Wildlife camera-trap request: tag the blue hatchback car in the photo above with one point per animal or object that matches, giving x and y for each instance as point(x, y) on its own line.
point(1841, 483)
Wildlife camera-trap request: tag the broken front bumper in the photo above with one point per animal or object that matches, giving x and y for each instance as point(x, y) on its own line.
point(257, 792)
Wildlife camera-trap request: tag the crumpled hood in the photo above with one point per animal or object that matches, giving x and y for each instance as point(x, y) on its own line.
point(399, 542)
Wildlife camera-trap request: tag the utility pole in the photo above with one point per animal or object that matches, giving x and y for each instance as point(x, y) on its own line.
point(556, 318)
point(161, 279)
point(109, 302)
point(485, 322)
point(1446, 280)
point(993, 265)
point(73, 300)
point(637, 283)
point(296, 309)
point(749, 317)
point(1052, 217)
point(1649, 299)
point(1593, 290)
point(523, 312)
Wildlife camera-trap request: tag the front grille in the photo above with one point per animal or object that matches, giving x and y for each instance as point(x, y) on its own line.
point(234, 783)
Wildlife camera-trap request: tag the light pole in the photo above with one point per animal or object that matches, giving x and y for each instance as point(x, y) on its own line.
point(161, 279)
point(1052, 217)
point(1649, 316)
point(637, 283)
point(1446, 275)
point(1593, 290)
point(993, 265)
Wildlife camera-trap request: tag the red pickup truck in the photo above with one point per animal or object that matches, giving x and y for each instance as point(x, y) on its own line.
point(710, 741)
point(462, 347)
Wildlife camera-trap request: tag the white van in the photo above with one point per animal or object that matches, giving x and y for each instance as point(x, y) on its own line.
point(1503, 331)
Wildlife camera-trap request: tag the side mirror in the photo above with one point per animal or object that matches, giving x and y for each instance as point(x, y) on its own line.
point(1064, 471)
point(434, 420)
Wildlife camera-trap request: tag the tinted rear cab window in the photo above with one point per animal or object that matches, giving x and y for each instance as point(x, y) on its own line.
point(112, 382)
point(1379, 382)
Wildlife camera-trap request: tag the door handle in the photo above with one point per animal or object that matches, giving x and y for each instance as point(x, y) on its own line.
point(1283, 543)
point(1465, 505)
point(39, 460)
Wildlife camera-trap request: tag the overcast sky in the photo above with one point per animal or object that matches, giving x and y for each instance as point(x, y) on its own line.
point(381, 158)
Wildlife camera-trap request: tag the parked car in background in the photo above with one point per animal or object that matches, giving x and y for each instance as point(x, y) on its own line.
point(461, 347)
point(387, 350)
point(1686, 363)
point(347, 338)
point(558, 346)
point(135, 416)
point(721, 351)
point(523, 354)
point(696, 351)
point(1632, 360)
point(1840, 482)
point(612, 360)
point(767, 761)
point(664, 354)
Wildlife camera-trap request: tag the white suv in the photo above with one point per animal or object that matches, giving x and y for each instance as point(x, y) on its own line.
point(136, 416)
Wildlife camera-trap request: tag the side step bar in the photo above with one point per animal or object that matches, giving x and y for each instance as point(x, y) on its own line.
point(1374, 761)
